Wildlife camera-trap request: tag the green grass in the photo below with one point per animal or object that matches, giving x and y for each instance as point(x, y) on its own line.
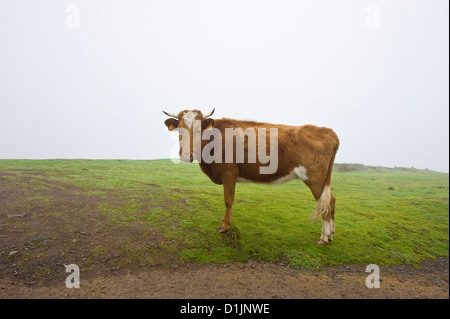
point(374, 225)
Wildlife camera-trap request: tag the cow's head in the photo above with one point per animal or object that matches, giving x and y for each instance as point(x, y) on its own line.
point(185, 122)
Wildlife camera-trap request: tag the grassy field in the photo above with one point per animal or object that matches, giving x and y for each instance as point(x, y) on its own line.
point(270, 223)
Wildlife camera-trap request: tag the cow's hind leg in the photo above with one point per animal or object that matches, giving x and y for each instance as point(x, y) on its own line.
point(325, 208)
point(321, 189)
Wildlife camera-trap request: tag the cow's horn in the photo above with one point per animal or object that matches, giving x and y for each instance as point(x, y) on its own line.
point(171, 114)
point(208, 115)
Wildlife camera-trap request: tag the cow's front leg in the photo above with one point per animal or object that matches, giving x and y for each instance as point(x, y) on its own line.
point(229, 185)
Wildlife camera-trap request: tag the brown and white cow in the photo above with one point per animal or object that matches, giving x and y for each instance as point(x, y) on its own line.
point(306, 152)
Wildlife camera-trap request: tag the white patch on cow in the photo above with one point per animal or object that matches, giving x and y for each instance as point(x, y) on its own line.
point(298, 172)
point(301, 172)
point(189, 118)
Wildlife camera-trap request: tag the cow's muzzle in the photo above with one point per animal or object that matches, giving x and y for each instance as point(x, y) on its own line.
point(187, 157)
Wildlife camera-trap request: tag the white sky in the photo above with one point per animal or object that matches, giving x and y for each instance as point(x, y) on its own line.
point(97, 91)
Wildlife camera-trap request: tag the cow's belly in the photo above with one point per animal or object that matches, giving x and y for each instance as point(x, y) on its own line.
point(298, 172)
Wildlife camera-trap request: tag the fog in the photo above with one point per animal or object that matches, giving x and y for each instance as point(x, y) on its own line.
point(89, 79)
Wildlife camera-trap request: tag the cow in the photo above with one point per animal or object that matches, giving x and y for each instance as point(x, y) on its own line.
point(306, 152)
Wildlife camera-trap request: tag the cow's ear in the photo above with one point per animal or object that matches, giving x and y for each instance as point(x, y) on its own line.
point(208, 123)
point(171, 124)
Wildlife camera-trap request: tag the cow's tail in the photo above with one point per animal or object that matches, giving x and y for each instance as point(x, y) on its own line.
point(326, 199)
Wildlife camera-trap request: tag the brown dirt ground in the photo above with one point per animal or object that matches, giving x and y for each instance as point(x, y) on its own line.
point(249, 280)
point(37, 239)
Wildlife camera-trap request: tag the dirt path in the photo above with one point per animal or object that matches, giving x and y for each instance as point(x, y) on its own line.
point(243, 281)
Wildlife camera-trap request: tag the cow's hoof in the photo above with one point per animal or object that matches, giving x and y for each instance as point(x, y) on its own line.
point(222, 230)
point(321, 242)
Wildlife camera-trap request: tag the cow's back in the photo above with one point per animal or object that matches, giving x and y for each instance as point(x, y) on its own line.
point(298, 147)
